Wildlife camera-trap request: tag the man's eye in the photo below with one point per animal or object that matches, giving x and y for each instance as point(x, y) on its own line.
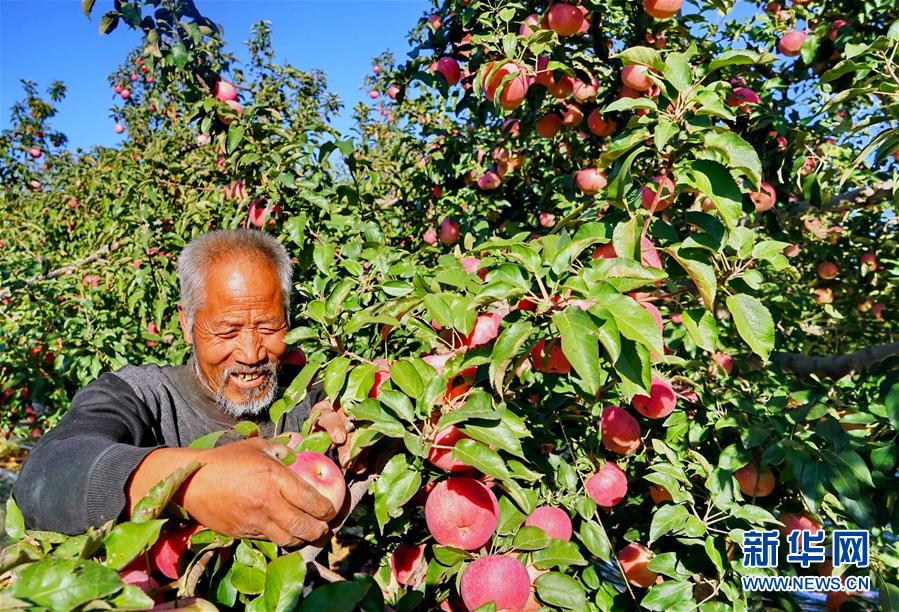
point(227, 335)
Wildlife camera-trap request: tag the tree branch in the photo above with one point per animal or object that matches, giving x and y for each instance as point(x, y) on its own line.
point(863, 196)
point(834, 366)
point(70, 267)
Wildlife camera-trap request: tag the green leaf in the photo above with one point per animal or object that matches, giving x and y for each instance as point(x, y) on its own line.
point(738, 153)
point(668, 520)
point(562, 591)
point(558, 553)
point(15, 521)
point(714, 181)
point(644, 56)
point(154, 502)
point(109, 21)
point(208, 441)
point(595, 539)
point(360, 381)
point(701, 326)
point(678, 71)
point(235, 136)
point(701, 273)
point(531, 538)
point(406, 377)
point(298, 388)
point(735, 57)
point(665, 129)
point(633, 321)
point(891, 402)
point(668, 595)
point(65, 584)
point(128, 540)
point(505, 349)
point(478, 455)
point(398, 403)
point(753, 322)
point(338, 596)
point(334, 376)
point(87, 6)
point(580, 345)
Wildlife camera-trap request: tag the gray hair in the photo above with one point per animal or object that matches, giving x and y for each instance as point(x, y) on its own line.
point(203, 251)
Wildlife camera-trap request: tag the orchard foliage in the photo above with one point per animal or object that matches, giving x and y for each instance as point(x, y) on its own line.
point(561, 280)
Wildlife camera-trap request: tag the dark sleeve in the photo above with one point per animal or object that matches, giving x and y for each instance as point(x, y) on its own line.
point(75, 476)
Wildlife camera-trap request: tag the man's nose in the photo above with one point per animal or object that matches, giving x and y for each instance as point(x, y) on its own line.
point(250, 349)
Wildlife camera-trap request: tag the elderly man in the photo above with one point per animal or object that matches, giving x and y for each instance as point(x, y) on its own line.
point(127, 430)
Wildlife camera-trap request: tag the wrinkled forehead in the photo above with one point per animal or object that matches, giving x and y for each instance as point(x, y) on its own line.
point(241, 287)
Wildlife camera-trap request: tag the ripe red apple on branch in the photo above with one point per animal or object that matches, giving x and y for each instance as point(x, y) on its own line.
point(461, 512)
point(323, 474)
point(554, 521)
point(407, 563)
point(500, 579)
point(607, 486)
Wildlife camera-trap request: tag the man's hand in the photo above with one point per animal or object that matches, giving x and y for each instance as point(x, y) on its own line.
point(242, 491)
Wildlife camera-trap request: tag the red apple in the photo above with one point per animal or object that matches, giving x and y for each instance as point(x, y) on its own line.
point(555, 522)
point(661, 400)
point(546, 219)
point(259, 213)
point(800, 522)
point(765, 198)
point(636, 77)
point(118, 128)
point(790, 43)
point(585, 91)
point(649, 256)
point(430, 236)
point(723, 361)
point(634, 559)
point(835, 28)
point(485, 330)
point(449, 68)
point(296, 358)
point(225, 91)
point(449, 231)
point(531, 23)
point(500, 579)
point(34, 152)
point(549, 125)
point(564, 19)
point(824, 295)
point(513, 92)
point(461, 512)
point(169, 547)
point(600, 126)
point(548, 357)
point(382, 375)
point(659, 495)
point(408, 564)
point(662, 9)
point(755, 483)
point(126, 93)
point(620, 430)
point(489, 181)
point(828, 270)
point(443, 457)
point(666, 196)
point(608, 486)
point(323, 474)
point(590, 180)
point(742, 97)
point(572, 116)
point(870, 260)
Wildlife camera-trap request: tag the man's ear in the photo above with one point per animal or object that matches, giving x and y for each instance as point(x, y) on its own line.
point(185, 328)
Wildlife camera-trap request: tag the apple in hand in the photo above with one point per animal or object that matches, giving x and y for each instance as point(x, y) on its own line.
point(323, 474)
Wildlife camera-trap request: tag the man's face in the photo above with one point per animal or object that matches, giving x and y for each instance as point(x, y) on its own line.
point(238, 336)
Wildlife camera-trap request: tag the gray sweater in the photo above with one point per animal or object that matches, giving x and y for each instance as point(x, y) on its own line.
point(76, 474)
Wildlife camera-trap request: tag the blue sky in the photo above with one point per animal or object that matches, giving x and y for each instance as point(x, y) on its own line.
point(46, 40)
